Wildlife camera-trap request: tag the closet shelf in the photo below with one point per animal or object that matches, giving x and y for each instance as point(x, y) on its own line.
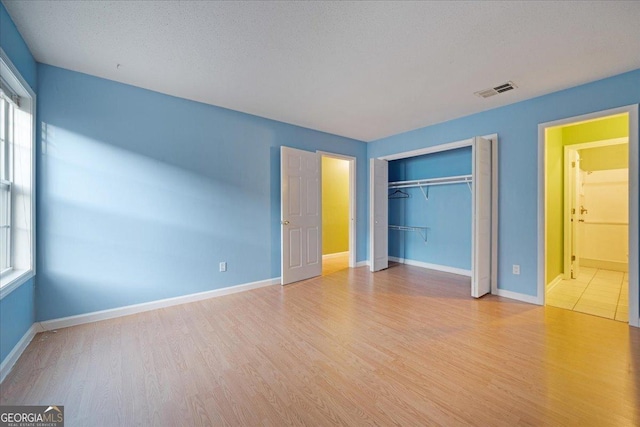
point(422, 183)
point(422, 231)
point(459, 179)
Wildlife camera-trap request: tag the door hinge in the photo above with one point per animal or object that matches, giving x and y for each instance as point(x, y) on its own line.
point(573, 257)
point(573, 211)
point(573, 164)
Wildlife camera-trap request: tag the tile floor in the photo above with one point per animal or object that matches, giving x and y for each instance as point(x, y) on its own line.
point(603, 293)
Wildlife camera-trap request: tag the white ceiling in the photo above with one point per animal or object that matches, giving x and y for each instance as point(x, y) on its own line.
point(365, 70)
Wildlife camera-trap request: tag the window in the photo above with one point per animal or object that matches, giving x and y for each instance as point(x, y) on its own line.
point(6, 127)
point(17, 179)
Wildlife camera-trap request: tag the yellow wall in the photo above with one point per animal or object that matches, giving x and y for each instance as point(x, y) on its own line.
point(554, 173)
point(335, 205)
point(555, 139)
point(596, 130)
point(605, 158)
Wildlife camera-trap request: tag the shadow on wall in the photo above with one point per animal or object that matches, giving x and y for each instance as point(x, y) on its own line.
point(143, 194)
point(117, 228)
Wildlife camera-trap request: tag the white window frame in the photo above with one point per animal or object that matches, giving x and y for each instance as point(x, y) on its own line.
point(6, 264)
point(6, 109)
point(21, 180)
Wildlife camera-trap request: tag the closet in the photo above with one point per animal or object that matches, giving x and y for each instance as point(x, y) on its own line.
point(436, 208)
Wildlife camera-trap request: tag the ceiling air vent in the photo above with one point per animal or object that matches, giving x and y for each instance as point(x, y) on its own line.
point(496, 90)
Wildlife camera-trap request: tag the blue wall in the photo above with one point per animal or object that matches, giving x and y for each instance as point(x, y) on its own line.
point(517, 127)
point(141, 195)
point(17, 312)
point(447, 213)
point(16, 49)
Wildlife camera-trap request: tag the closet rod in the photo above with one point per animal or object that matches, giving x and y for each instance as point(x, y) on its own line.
point(460, 179)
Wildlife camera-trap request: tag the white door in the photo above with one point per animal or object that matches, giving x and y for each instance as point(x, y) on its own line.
point(576, 211)
point(301, 210)
point(379, 215)
point(481, 228)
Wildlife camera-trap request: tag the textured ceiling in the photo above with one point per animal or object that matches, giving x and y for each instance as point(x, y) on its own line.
point(365, 70)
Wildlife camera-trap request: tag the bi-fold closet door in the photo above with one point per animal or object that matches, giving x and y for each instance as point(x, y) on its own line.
point(481, 217)
point(481, 206)
point(379, 215)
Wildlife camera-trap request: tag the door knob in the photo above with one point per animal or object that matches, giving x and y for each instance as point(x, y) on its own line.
point(284, 222)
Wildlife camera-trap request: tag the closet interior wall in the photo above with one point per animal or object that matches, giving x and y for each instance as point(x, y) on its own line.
point(445, 218)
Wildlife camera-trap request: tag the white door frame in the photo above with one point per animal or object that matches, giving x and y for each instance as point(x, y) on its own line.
point(352, 202)
point(567, 191)
point(494, 189)
point(632, 110)
point(570, 194)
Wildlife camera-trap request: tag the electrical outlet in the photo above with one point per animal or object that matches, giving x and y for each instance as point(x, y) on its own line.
point(223, 266)
point(516, 269)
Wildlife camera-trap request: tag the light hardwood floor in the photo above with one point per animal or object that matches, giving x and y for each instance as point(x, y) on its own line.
point(405, 346)
point(334, 263)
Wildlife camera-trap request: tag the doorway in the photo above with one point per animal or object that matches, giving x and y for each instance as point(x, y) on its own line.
point(301, 243)
point(335, 214)
point(589, 240)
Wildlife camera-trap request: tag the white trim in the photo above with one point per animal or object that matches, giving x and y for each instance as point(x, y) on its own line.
point(11, 359)
point(335, 255)
point(352, 202)
point(437, 267)
point(634, 287)
point(634, 189)
point(567, 200)
point(518, 296)
point(24, 90)
point(429, 150)
point(96, 316)
point(353, 212)
point(542, 212)
point(552, 284)
point(25, 86)
point(15, 279)
point(364, 263)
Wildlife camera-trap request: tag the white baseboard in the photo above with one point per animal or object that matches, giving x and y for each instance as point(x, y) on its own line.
point(11, 359)
point(362, 264)
point(335, 255)
point(554, 282)
point(96, 316)
point(438, 267)
point(518, 296)
point(500, 292)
